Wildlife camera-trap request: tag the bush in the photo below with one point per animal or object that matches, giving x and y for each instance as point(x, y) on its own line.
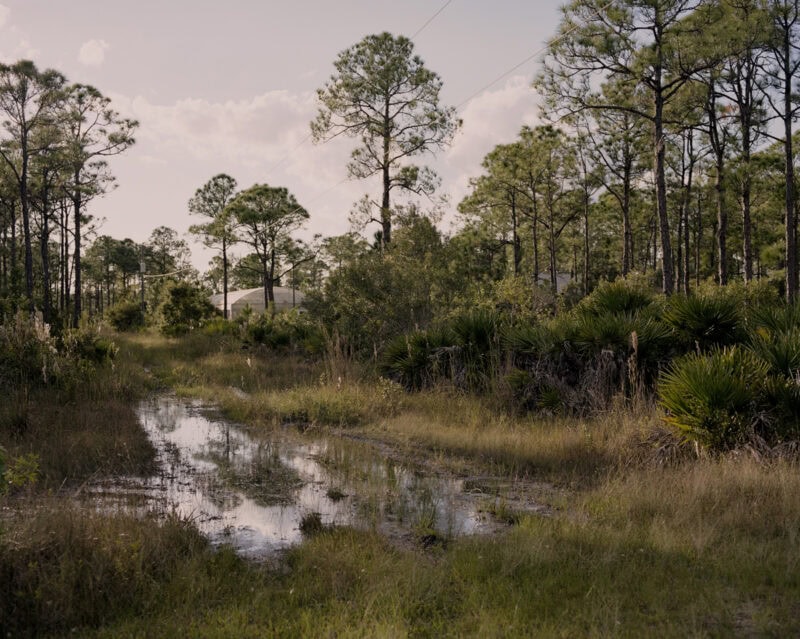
point(126, 316)
point(704, 321)
point(64, 569)
point(464, 351)
point(290, 330)
point(186, 308)
point(775, 318)
point(477, 353)
point(417, 360)
point(716, 399)
point(87, 345)
point(779, 349)
point(619, 297)
point(219, 327)
point(28, 354)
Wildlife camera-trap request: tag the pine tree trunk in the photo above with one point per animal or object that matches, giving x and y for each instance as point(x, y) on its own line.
point(76, 203)
point(668, 279)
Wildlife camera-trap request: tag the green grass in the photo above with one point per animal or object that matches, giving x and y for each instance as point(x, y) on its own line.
point(642, 539)
point(624, 563)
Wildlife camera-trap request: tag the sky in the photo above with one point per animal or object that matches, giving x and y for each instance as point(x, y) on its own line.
point(231, 88)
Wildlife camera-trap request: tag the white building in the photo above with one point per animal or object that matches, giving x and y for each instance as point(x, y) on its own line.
point(285, 299)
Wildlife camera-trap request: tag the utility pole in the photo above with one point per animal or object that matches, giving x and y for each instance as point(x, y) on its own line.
point(142, 267)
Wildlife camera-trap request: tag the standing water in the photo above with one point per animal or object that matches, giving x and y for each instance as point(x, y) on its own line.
point(257, 492)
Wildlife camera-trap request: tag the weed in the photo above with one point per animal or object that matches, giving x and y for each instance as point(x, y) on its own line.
point(311, 524)
point(501, 512)
point(335, 495)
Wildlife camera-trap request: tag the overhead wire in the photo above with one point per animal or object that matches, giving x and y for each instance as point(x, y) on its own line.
point(308, 136)
point(533, 55)
point(461, 104)
point(431, 19)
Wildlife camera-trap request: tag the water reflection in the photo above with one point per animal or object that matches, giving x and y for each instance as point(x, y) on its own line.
point(252, 492)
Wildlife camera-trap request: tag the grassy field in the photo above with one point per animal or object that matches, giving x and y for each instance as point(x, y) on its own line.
point(643, 538)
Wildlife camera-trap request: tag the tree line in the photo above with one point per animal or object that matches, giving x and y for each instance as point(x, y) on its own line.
point(666, 149)
point(690, 105)
point(56, 138)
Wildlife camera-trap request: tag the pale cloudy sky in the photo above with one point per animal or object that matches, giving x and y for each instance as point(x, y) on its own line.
point(229, 87)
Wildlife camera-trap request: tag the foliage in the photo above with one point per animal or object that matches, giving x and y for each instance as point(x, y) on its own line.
point(289, 330)
point(186, 308)
point(618, 297)
point(780, 350)
point(477, 352)
point(126, 315)
point(87, 345)
point(18, 472)
point(267, 216)
point(381, 294)
point(775, 317)
point(166, 252)
point(28, 354)
point(70, 569)
point(464, 351)
point(384, 95)
point(716, 399)
point(419, 359)
point(705, 321)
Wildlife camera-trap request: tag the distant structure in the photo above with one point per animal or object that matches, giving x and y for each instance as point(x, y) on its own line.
point(562, 280)
point(285, 299)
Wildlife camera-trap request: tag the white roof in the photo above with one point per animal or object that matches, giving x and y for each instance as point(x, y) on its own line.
point(283, 295)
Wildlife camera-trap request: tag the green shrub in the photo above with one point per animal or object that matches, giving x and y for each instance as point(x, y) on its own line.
point(186, 308)
point(31, 358)
point(219, 326)
point(704, 321)
point(18, 472)
point(779, 349)
point(292, 329)
point(464, 351)
point(126, 316)
point(775, 318)
point(417, 360)
point(783, 396)
point(28, 354)
point(715, 399)
point(477, 354)
point(604, 332)
point(616, 297)
point(532, 340)
point(64, 571)
point(86, 344)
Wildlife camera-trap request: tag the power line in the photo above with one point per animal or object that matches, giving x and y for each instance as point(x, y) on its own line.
point(458, 107)
point(291, 151)
point(431, 19)
point(526, 60)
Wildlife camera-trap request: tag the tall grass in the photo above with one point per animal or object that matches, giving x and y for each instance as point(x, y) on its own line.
point(74, 442)
point(642, 538)
point(213, 361)
point(63, 568)
point(84, 425)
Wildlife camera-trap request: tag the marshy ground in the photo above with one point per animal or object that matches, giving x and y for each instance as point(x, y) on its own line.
point(606, 526)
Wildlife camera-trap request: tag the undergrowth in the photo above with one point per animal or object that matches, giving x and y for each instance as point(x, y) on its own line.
point(644, 537)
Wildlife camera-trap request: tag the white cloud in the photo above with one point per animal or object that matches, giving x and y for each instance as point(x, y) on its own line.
point(19, 47)
point(260, 139)
point(258, 129)
point(93, 52)
point(4, 13)
point(265, 139)
point(491, 118)
point(494, 117)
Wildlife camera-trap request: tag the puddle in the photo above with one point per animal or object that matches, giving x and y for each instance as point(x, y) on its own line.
point(253, 491)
